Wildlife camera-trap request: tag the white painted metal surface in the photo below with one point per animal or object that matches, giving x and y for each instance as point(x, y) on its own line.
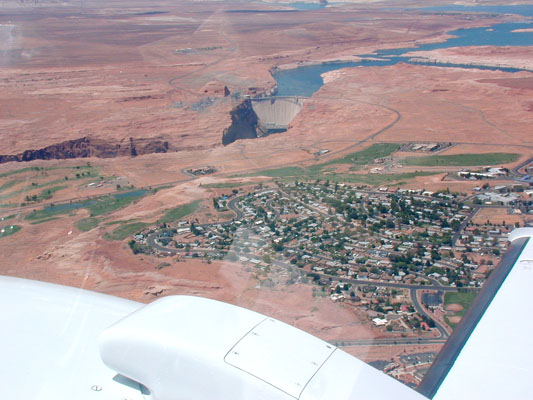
point(179, 347)
point(48, 342)
point(184, 347)
point(276, 353)
point(496, 361)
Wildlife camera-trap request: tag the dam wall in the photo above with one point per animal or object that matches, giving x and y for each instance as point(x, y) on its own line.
point(276, 113)
point(261, 117)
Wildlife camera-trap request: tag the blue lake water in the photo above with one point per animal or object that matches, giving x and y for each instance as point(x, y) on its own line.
point(133, 193)
point(300, 5)
point(524, 9)
point(87, 203)
point(306, 80)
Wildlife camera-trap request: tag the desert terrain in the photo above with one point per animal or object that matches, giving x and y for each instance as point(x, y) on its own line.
point(107, 98)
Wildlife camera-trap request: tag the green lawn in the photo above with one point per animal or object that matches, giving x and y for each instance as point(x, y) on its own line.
point(86, 224)
point(366, 156)
point(19, 171)
point(124, 231)
point(462, 160)
point(227, 185)
point(363, 157)
point(465, 299)
point(49, 212)
point(175, 214)
point(280, 172)
point(30, 187)
point(9, 230)
point(47, 193)
point(375, 179)
point(99, 206)
point(8, 184)
point(42, 221)
point(108, 204)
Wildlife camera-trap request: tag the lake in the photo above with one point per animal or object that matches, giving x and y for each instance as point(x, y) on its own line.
point(306, 80)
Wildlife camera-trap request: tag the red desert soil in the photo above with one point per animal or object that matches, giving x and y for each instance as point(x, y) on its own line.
point(114, 72)
point(439, 104)
point(390, 353)
point(57, 252)
point(455, 319)
point(497, 216)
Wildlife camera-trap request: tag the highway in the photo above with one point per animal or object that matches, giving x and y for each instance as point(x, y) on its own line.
point(401, 341)
point(459, 231)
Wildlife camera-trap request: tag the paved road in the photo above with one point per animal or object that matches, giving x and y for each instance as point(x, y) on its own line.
point(414, 299)
point(392, 284)
point(517, 169)
point(232, 205)
point(388, 342)
point(457, 234)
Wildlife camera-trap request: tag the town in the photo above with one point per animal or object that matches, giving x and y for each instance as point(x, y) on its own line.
point(394, 253)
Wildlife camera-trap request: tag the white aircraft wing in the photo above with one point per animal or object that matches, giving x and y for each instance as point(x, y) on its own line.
point(66, 343)
point(489, 355)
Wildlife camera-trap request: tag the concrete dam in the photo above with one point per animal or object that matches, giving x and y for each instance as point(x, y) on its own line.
point(261, 117)
point(276, 113)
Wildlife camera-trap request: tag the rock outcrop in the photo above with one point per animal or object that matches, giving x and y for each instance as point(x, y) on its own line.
point(243, 124)
point(87, 147)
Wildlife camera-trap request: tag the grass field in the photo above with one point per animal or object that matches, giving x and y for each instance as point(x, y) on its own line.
point(370, 179)
point(280, 172)
point(53, 211)
point(227, 185)
point(465, 299)
point(375, 179)
point(19, 171)
point(48, 193)
point(42, 221)
point(86, 224)
point(108, 204)
point(31, 187)
point(124, 231)
point(177, 213)
point(96, 207)
point(359, 158)
point(33, 180)
point(366, 156)
point(9, 230)
point(8, 184)
point(462, 160)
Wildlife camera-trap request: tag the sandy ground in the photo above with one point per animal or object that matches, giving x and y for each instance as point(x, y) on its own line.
point(57, 252)
point(389, 353)
point(114, 72)
point(497, 216)
point(454, 307)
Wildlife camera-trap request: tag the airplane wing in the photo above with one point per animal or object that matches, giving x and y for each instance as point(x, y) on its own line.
point(65, 343)
point(58, 342)
point(489, 354)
